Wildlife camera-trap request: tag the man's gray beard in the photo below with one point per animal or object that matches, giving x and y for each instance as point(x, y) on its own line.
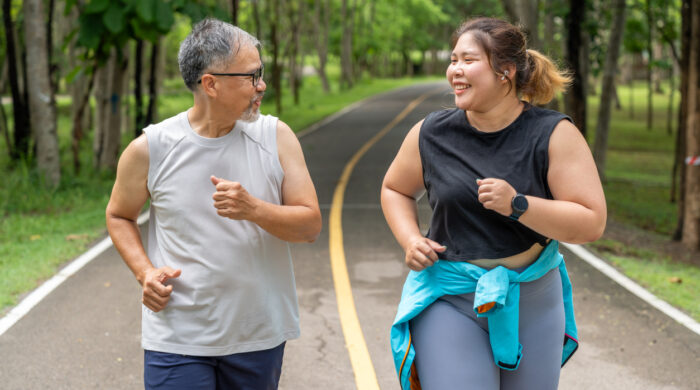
point(250, 115)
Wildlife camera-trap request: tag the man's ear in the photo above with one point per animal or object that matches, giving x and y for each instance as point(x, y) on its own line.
point(209, 85)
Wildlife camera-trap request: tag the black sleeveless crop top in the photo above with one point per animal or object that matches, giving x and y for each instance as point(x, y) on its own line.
point(454, 154)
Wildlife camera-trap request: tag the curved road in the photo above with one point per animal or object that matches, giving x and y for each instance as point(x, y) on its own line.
point(85, 335)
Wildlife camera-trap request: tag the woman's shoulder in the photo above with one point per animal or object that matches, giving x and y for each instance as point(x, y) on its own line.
point(442, 117)
point(545, 113)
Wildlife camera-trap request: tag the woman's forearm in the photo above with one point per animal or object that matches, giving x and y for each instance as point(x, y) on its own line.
point(401, 213)
point(563, 220)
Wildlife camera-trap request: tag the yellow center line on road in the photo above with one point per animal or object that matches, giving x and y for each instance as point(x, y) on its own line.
point(365, 377)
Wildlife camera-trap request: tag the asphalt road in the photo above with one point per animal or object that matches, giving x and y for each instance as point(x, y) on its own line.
point(85, 335)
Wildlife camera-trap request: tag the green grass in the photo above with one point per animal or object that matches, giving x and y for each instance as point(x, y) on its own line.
point(40, 229)
point(638, 190)
point(639, 162)
point(676, 283)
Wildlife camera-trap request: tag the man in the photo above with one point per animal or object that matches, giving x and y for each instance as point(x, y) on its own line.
point(228, 189)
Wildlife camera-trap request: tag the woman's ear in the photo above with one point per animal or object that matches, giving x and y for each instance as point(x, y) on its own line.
point(508, 73)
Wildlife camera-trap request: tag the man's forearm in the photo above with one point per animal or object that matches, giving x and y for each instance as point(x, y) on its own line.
point(126, 237)
point(289, 223)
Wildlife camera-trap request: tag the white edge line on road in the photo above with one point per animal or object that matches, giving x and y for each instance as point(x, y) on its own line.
point(42, 291)
point(48, 286)
point(633, 287)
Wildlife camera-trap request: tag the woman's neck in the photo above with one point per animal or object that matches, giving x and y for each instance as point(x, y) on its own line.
point(498, 117)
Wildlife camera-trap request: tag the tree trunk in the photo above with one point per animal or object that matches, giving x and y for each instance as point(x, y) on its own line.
point(80, 91)
point(79, 122)
point(679, 167)
point(529, 17)
point(108, 135)
point(5, 130)
point(657, 74)
point(365, 28)
point(20, 109)
point(525, 12)
point(433, 66)
point(54, 71)
point(276, 68)
point(576, 58)
point(295, 68)
point(631, 86)
point(153, 82)
point(3, 114)
point(321, 25)
point(3, 76)
point(691, 220)
point(552, 45)
point(102, 95)
point(139, 123)
point(234, 12)
point(616, 99)
point(407, 63)
point(613, 52)
point(112, 145)
point(256, 19)
point(650, 66)
point(672, 93)
point(511, 9)
point(359, 51)
point(43, 118)
point(346, 71)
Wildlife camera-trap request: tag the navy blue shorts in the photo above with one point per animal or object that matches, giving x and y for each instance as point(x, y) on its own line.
point(257, 370)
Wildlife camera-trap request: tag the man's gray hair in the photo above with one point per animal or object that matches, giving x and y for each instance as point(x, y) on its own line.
point(212, 43)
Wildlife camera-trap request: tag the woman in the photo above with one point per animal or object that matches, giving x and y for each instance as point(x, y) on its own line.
point(488, 303)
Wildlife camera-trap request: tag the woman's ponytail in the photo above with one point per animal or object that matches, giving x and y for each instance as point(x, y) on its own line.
point(544, 80)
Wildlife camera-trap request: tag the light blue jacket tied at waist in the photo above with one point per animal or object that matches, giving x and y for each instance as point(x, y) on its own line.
point(497, 297)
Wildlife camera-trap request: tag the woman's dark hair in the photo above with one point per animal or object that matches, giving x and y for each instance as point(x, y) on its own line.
point(537, 78)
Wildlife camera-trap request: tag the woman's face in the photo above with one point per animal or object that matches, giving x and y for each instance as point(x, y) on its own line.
point(475, 85)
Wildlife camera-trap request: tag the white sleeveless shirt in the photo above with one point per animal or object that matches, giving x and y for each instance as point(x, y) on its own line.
point(236, 292)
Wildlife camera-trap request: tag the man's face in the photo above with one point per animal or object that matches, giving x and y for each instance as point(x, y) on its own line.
point(238, 92)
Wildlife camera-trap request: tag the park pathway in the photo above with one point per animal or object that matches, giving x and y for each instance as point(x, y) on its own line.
point(85, 335)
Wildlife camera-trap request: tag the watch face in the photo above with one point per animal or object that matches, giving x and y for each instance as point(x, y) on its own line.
point(520, 203)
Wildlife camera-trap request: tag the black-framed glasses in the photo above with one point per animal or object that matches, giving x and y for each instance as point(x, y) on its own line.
point(255, 76)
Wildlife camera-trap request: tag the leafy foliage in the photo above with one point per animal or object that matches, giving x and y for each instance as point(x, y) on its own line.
point(104, 24)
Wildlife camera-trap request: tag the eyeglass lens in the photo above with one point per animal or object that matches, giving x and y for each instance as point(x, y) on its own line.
point(258, 75)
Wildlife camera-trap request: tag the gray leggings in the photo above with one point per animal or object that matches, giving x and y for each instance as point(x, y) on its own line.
point(453, 350)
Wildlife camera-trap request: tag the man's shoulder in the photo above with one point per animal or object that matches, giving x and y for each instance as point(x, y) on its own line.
point(163, 136)
point(174, 124)
point(167, 131)
point(263, 131)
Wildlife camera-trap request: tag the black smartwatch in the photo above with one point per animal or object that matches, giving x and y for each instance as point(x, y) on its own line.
point(519, 205)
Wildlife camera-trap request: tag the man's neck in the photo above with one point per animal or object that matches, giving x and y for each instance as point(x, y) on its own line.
point(208, 122)
point(498, 117)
